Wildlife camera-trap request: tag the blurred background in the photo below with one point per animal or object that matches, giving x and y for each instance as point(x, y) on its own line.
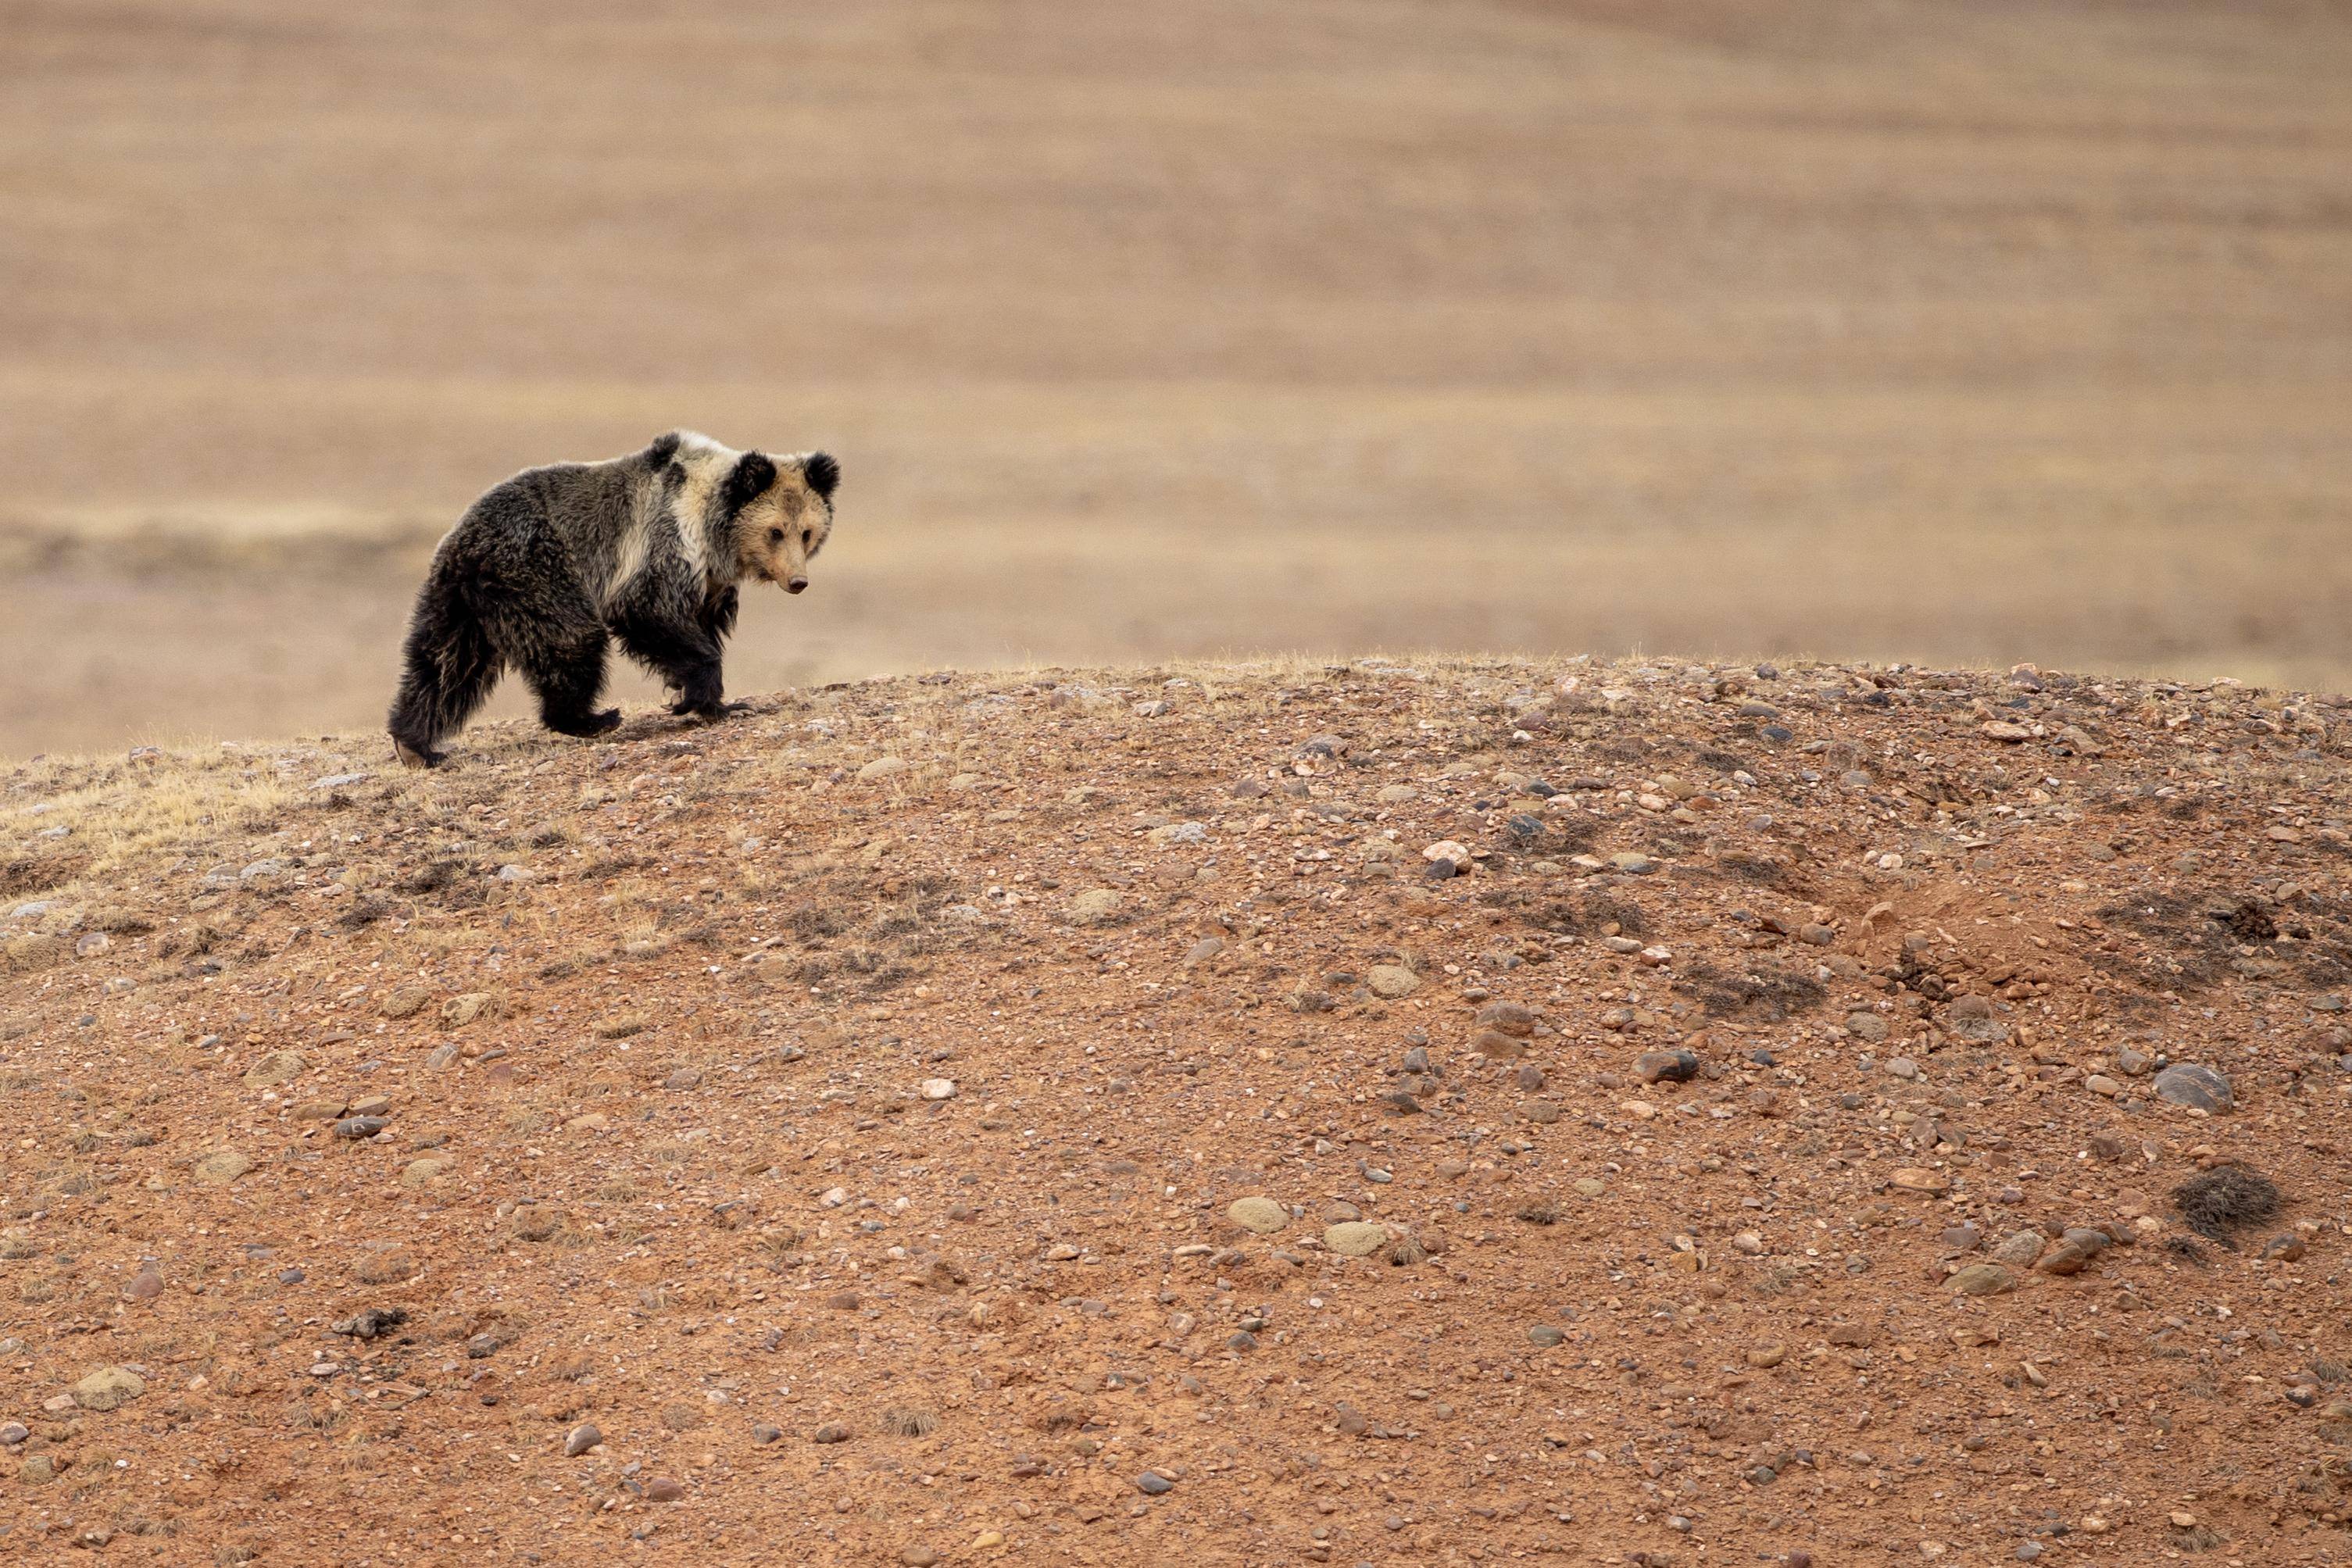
point(1892, 329)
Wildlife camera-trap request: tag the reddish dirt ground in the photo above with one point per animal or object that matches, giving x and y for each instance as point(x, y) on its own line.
point(843, 1110)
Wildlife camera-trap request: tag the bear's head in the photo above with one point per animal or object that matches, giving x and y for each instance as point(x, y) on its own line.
point(783, 512)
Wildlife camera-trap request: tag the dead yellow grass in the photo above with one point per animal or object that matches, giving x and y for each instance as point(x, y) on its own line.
point(141, 811)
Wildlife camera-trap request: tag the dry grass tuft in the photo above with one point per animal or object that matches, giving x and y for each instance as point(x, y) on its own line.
point(910, 1421)
point(2223, 1200)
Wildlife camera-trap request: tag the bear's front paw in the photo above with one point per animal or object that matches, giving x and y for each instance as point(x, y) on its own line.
point(609, 719)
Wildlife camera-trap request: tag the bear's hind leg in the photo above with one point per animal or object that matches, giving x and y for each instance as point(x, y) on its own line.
point(548, 632)
point(448, 667)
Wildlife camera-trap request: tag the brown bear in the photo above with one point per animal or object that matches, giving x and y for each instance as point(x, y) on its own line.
point(545, 570)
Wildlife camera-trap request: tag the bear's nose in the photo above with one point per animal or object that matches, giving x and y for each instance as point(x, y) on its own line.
point(795, 584)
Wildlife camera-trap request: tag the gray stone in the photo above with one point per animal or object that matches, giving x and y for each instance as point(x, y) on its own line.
point(220, 1167)
point(1152, 1483)
point(2199, 1088)
point(370, 1322)
point(581, 1439)
point(2018, 1248)
point(1983, 1280)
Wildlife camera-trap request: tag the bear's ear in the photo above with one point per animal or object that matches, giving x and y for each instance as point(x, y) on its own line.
point(663, 449)
point(747, 481)
point(822, 472)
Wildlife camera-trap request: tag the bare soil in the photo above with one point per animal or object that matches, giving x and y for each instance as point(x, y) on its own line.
point(842, 1110)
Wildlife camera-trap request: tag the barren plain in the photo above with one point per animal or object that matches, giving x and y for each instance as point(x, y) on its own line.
point(1963, 335)
point(1421, 1111)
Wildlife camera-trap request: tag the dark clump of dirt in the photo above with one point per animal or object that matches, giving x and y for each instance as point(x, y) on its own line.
point(433, 877)
point(1772, 994)
point(364, 912)
point(2249, 922)
point(39, 874)
point(2187, 951)
point(1599, 911)
point(1547, 911)
point(2221, 1200)
point(1569, 835)
point(1758, 870)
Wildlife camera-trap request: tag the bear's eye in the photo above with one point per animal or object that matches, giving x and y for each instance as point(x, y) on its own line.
point(775, 535)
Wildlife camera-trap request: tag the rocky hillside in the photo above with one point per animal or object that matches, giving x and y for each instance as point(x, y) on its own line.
point(1413, 1112)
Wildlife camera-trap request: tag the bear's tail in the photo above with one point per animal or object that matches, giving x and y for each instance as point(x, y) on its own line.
point(448, 667)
